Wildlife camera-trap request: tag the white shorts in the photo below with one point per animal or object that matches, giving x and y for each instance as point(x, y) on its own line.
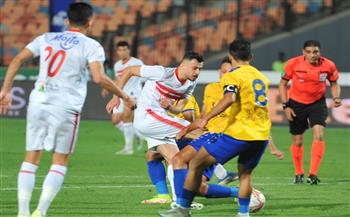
point(51, 128)
point(157, 127)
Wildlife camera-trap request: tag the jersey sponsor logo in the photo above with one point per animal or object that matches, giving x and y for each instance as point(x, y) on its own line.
point(66, 41)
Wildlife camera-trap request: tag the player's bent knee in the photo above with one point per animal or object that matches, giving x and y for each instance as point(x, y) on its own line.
point(151, 155)
point(179, 162)
point(196, 165)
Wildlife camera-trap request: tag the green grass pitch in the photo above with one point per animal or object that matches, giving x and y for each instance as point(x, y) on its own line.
point(99, 183)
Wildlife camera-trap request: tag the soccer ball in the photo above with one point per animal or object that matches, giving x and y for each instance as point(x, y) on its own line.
point(257, 201)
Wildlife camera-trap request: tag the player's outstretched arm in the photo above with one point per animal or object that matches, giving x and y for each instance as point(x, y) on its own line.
point(98, 75)
point(5, 96)
point(127, 74)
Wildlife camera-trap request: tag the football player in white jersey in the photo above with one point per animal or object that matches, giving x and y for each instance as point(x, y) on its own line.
point(163, 86)
point(56, 101)
point(122, 117)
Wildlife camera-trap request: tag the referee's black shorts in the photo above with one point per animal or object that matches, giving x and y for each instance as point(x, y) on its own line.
point(307, 115)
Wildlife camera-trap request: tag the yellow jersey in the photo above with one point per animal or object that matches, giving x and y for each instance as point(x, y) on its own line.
point(190, 105)
point(249, 115)
point(213, 93)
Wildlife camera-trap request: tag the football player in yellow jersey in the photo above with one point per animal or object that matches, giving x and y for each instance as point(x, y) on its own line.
point(246, 136)
point(212, 94)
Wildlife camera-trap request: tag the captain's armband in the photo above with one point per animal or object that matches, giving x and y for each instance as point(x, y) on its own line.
point(230, 89)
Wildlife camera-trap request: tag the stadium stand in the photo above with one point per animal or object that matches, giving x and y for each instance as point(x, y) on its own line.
point(21, 20)
point(162, 36)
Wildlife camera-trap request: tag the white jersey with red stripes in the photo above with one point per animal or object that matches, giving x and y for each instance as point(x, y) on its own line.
point(63, 73)
point(134, 85)
point(151, 120)
point(162, 82)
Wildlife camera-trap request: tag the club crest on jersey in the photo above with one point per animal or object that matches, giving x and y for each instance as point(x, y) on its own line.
point(66, 41)
point(323, 77)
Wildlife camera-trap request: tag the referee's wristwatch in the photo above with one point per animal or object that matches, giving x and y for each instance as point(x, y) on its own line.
point(285, 105)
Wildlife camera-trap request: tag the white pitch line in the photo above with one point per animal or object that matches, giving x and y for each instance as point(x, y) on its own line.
point(147, 186)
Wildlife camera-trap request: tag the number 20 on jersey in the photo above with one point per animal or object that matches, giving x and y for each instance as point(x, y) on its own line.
point(55, 60)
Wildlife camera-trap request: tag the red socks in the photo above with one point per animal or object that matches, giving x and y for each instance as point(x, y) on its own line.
point(297, 156)
point(317, 151)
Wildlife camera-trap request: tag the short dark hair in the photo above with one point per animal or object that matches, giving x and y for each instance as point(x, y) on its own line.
point(240, 49)
point(123, 44)
point(190, 55)
point(312, 43)
point(225, 60)
point(79, 13)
